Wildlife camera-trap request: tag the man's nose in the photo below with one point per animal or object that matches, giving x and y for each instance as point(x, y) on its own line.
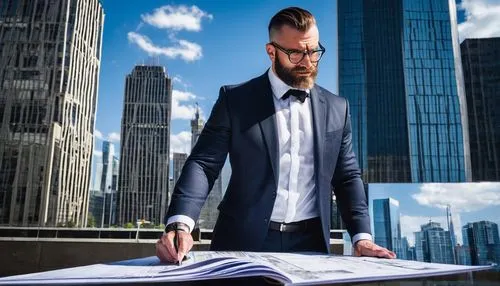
point(306, 61)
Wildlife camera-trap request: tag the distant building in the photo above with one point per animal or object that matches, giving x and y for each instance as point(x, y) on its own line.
point(196, 127)
point(462, 253)
point(451, 229)
point(399, 67)
point(336, 219)
point(411, 254)
point(102, 203)
point(209, 212)
point(145, 144)
point(483, 240)
point(481, 63)
point(50, 55)
point(178, 160)
point(387, 225)
point(433, 244)
point(405, 248)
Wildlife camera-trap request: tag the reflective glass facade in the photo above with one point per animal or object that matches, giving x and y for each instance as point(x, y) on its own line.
point(387, 225)
point(483, 240)
point(399, 67)
point(481, 63)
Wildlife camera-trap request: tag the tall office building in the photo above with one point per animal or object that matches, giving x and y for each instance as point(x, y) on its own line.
point(209, 212)
point(178, 160)
point(144, 154)
point(108, 153)
point(103, 195)
point(387, 225)
point(400, 69)
point(451, 228)
point(462, 253)
point(482, 239)
point(50, 54)
point(481, 62)
point(433, 244)
point(196, 127)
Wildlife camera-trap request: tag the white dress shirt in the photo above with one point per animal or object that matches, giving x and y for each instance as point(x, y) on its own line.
point(296, 195)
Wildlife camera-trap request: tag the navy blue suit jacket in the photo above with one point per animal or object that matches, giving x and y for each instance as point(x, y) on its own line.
point(243, 124)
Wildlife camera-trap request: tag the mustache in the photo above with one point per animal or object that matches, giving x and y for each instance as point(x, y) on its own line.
point(303, 69)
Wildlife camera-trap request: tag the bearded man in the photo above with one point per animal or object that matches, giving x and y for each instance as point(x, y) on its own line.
point(289, 145)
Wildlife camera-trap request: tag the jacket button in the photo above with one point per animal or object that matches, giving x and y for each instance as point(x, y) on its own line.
point(265, 220)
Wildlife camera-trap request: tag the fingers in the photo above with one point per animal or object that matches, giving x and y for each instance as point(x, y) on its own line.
point(185, 244)
point(368, 248)
point(165, 249)
point(162, 253)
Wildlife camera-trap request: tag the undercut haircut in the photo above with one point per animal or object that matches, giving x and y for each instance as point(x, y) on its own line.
point(295, 17)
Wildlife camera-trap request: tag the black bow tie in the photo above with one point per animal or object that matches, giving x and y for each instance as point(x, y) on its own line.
point(299, 94)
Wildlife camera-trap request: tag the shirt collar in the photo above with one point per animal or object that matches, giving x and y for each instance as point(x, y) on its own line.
point(278, 86)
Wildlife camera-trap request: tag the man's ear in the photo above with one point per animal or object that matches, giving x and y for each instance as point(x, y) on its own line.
point(271, 51)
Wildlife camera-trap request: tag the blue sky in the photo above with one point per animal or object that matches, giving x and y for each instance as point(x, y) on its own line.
point(419, 203)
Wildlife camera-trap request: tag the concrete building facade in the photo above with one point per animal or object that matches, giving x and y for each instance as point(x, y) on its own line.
point(50, 53)
point(145, 143)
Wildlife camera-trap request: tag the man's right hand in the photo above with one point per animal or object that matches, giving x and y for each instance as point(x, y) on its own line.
point(165, 248)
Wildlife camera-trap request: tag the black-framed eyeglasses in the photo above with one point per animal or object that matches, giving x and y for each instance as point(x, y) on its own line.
point(296, 56)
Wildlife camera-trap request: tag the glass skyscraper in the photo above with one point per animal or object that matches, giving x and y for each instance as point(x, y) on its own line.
point(387, 225)
point(433, 244)
point(483, 241)
point(400, 69)
point(481, 62)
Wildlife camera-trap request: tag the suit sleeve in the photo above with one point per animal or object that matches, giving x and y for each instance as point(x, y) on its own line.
point(348, 186)
point(204, 164)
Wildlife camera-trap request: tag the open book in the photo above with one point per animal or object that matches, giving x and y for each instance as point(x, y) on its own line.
point(287, 268)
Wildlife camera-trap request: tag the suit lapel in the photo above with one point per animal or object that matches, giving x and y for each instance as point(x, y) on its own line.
point(318, 104)
point(319, 128)
point(267, 121)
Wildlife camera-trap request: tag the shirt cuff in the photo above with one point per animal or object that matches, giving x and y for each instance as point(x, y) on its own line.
point(182, 218)
point(360, 236)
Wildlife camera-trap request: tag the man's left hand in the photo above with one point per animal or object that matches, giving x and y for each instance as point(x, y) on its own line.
point(366, 247)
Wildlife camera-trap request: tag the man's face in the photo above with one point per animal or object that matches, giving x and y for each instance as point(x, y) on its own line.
point(302, 74)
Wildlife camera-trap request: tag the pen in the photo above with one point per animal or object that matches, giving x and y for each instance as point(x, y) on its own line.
point(176, 244)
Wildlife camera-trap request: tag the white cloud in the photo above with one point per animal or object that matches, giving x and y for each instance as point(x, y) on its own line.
point(177, 79)
point(180, 143)
point(482, 19)
point(98, 134)
point(411, 224)
point(462, 197)
point(183, 111)
point(183, 49)
point(97, 153)
point(114, 137)
point(177, 18)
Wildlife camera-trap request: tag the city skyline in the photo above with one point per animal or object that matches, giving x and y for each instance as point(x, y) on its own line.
point(420, 204)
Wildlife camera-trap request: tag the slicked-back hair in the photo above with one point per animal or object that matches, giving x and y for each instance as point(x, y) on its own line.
point(295, 17)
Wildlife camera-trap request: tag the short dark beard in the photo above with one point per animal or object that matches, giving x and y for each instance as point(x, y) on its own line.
point(287, 76)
